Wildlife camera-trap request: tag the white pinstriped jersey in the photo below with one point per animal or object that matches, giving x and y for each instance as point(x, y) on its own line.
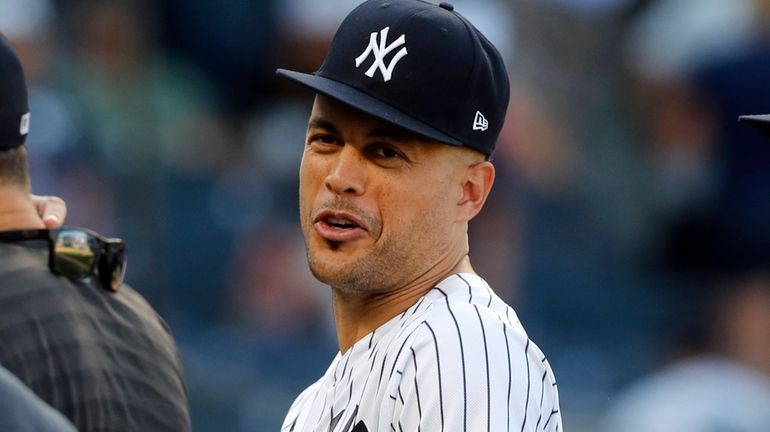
point(458, 360)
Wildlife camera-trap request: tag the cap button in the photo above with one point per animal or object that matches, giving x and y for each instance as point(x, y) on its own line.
point(447, 6)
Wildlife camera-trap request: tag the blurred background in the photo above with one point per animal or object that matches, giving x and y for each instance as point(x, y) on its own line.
point(629, 226)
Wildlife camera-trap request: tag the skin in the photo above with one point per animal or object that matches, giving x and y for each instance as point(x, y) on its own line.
point(384, 213)
point(51, 209)
point(17, 210)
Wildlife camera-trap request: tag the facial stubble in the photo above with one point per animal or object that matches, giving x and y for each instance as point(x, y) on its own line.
point(392, 261)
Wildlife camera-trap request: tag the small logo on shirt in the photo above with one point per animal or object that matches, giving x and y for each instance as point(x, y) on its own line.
point(24, 125)
point(480, 122)
point(380, 50)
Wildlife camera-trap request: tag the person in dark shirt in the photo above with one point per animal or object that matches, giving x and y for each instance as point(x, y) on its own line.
point(86, 344)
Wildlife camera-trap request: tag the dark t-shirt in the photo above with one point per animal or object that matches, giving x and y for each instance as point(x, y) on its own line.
point(106, 360)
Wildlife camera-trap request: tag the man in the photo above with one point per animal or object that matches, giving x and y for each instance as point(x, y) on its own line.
point(409, 104)
point(89, 347)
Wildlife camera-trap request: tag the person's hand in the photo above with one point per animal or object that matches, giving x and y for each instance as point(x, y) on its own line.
point(51, 209)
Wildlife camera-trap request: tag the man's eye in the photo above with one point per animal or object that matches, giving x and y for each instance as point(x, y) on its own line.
point(386, 152)
point(323, 139)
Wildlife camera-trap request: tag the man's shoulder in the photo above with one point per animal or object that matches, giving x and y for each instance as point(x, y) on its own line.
point(466, 292)
point(463, 300)
point(29, 291)
point(461, 320)
point(25, 278)
point(23, 258)
point(25, 275)
point(99, 342)
point(135, 304)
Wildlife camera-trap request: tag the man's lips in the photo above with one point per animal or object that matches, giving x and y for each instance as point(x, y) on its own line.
point(339, 226)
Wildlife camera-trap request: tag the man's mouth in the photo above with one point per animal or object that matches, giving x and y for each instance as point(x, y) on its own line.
point(339, 226)
point(341, 223)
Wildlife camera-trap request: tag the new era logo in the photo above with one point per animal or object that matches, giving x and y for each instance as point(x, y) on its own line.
point(480, 122)
point(24, 124)
point(380, 50)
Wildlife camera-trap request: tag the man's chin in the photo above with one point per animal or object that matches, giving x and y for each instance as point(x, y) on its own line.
point(334, 271)
point(331, 277)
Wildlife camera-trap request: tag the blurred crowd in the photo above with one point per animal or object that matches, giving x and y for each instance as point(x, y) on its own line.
point(629, 226)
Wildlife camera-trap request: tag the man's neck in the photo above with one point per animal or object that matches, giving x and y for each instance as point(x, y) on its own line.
point(356, 316)
point(17, 210)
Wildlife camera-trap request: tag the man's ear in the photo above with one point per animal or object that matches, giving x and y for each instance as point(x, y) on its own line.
point(476, 184)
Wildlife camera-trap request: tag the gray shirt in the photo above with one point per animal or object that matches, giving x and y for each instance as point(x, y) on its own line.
point(105, 360)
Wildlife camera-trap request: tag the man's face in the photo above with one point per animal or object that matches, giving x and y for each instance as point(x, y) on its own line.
point(378, 204)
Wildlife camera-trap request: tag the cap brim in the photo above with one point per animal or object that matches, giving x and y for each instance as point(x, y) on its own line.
point(363, 102)
point(759, 122)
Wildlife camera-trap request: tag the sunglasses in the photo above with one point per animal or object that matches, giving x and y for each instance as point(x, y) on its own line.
point(78, 253)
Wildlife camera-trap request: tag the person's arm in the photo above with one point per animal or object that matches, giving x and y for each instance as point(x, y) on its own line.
point(21, 410)
point(51, 209)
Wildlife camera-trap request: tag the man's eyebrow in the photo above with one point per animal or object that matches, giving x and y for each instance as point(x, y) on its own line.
point(321, 123)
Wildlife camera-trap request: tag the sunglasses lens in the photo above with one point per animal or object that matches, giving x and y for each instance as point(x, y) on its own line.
point(73, 254)
point(112, 267)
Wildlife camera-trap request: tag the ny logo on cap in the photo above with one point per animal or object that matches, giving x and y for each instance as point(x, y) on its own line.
point(380, 51)
point(480, 122)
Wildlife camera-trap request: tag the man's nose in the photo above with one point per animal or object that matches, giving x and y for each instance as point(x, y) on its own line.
point(348, 173)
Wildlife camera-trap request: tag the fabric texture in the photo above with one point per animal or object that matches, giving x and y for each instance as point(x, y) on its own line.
point(105, 360)
point(458, 360)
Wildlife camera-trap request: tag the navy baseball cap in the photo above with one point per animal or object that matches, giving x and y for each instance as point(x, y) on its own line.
point(760, 122)
point(14, 108)
point(419, 66)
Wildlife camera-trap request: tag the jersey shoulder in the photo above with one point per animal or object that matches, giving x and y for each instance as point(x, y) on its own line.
point(468, 349)
point(464, 303)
